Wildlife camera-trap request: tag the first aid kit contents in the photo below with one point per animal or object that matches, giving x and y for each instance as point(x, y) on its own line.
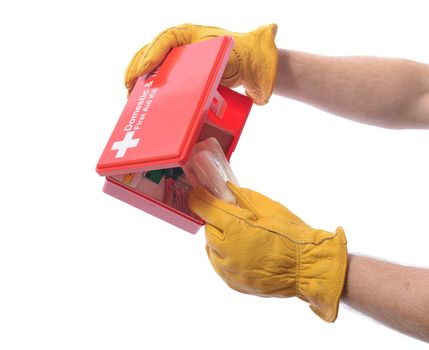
point(178, 130)
point(168, 186)
point(208, 167)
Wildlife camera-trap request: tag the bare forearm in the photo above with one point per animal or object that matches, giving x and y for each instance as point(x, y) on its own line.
point(391, 93)
point(395, 295)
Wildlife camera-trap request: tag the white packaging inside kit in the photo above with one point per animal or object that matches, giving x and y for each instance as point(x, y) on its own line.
point(208, 167)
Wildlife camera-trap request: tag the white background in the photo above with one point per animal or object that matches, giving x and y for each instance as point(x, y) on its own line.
point(81, 270)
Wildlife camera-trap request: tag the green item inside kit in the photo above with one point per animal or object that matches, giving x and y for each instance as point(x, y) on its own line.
point(156, 175)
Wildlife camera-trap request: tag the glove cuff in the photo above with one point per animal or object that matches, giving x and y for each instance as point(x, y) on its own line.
point(321, 274)
point(260, 74)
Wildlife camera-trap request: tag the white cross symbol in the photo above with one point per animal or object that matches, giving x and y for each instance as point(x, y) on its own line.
point(127, 142)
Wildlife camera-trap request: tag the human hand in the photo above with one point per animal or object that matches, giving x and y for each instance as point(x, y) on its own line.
point(252, 64)
point(259, 247)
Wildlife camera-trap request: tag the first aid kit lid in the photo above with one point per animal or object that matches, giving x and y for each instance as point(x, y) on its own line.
point(166, 110)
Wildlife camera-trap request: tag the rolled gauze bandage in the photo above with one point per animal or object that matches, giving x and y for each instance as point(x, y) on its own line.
point(208, 167)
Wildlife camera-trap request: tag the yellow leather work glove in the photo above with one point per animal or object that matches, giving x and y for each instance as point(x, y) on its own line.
point(253, 62)
point(259, 247)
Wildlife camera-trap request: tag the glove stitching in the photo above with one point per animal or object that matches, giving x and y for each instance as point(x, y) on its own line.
point(235, 51)
point(298, 257)
point(237, 193)
point(338, 284)
point(265, 228)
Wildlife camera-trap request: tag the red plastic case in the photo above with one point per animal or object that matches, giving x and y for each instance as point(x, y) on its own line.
point(167, 112)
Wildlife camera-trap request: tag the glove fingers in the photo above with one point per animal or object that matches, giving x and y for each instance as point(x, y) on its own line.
point(261, 205)
point(150, 56)
point(218, 265)
point(215, 240)
point(214, 260)
point(130, 73)
point(224, 271)
point(214, 211)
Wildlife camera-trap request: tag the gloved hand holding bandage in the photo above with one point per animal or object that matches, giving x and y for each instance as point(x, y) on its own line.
point(259, 247)
point(252, 64)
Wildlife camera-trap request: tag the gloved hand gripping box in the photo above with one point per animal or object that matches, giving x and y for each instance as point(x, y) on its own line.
point(170, 110)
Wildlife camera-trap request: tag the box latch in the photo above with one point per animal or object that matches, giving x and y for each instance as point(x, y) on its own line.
point(218, 105)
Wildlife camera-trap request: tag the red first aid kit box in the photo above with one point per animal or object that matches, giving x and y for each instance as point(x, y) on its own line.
point(167, 113)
